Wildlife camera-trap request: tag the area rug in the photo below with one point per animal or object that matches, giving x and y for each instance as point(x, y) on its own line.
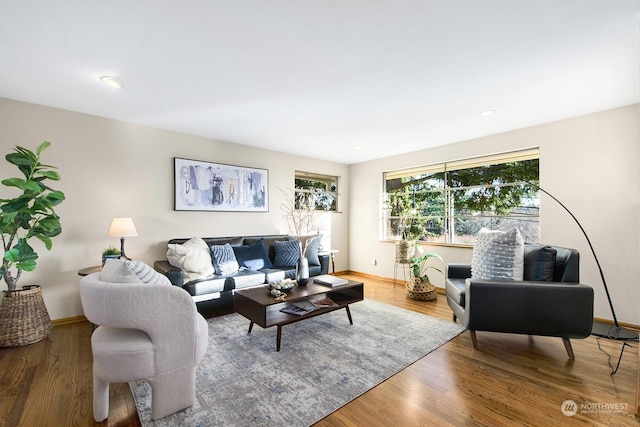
point(324, 363)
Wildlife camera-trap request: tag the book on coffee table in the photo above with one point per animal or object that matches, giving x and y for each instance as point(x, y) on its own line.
point(323, 303)
point(329, 280)
point(299, 308)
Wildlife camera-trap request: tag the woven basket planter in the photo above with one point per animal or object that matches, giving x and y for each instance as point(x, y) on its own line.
point(24, 318)
point(419, 290)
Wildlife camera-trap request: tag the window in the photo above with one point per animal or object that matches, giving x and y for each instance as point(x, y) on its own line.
point(323, 187)
point(450, 202)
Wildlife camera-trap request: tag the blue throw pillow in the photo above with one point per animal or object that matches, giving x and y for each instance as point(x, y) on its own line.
point(312, 249)
point(253, 257)
point(287, 253)
point(224, 260)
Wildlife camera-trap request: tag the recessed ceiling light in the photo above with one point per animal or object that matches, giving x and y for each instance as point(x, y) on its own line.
point(358, 147)
point(487, 113)
point(111, 81)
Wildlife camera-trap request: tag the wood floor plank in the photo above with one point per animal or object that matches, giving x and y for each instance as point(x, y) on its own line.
point(509, 380)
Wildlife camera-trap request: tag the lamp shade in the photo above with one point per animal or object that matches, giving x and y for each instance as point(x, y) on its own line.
point(122, 227)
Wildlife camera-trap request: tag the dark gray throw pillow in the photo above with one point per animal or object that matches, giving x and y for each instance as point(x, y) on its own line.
point(539, 262)
point(253, 257)
point(287, 253)
point(312, 249)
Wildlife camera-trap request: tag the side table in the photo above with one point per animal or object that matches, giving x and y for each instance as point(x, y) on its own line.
point(404, 266)
point(330, 252)
point(88, 270)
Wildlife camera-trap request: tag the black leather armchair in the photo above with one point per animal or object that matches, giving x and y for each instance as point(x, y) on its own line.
point(550, 301)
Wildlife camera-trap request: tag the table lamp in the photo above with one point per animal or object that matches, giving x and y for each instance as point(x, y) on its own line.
point(122, 227)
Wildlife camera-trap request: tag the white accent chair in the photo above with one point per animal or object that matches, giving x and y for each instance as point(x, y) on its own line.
point(146, 331)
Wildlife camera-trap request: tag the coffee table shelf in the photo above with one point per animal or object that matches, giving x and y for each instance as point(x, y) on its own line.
point(257, 305)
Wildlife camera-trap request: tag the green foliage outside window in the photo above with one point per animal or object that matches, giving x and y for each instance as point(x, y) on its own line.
point(450, 206)
point(323, 188)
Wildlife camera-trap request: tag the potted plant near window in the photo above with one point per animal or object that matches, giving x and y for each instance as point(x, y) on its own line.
point(420, 287)
point(408, 226)
point(23, 316)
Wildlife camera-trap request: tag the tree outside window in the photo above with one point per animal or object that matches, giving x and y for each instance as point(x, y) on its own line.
point(451, 202)
point(323, 187)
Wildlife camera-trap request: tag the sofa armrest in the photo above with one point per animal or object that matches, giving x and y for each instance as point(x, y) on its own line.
point(458, 271)
point(527, 307)
point(324, 263)
point(175, 275)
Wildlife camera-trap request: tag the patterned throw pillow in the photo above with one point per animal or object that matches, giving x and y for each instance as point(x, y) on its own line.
point(498, 255)
point(146, 274)
point(287, 253)
point(114, 271)
point(224, 259)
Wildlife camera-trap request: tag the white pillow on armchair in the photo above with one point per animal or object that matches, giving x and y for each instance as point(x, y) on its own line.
point(498, 255)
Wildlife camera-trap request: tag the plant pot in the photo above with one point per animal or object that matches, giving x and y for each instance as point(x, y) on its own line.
point(419, 290)
point(405, 250)
point(23, 317)
point(106, 257)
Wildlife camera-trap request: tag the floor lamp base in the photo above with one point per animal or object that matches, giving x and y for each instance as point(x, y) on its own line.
point(610, 331)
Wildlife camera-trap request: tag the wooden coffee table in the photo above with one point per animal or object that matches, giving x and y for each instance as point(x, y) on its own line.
point(261, 308)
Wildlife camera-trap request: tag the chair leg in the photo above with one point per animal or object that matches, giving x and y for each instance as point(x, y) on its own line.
point(569, 348)
point(172, 391)
point(100, 399)
point(474, 340)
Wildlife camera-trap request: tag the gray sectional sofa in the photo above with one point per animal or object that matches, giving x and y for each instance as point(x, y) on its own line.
point(256, 257)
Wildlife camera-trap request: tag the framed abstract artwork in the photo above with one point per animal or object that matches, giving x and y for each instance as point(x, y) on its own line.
point(206, 186)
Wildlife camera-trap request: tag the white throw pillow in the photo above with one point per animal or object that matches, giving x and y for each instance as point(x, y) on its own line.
point(498, 255)
point(193, 257)
point(115, 271)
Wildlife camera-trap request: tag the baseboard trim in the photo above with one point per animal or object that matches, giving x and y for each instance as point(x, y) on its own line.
point(622, 324)
point(69, 320)
point(382, 279)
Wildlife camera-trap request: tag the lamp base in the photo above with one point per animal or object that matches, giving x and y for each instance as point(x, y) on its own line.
point(610, 331)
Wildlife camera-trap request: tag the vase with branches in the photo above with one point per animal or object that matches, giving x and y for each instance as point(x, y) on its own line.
point(299, 211)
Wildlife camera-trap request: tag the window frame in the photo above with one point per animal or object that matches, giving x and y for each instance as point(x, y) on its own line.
point(328, 181)
point(449, 215)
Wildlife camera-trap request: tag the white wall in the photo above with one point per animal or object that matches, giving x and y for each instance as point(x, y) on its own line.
point(590, 163)
point(111, 168)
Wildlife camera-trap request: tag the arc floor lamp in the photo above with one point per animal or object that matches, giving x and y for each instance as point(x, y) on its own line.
point(600, 329)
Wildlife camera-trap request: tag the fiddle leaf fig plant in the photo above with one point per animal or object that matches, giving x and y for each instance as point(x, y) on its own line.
point(28, 215)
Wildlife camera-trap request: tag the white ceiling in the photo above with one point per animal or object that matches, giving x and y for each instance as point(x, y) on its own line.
point(320, 78)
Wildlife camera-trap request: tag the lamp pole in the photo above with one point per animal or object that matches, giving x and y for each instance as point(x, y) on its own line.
point(600, 329)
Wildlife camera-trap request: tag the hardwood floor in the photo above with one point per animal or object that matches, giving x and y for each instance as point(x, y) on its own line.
point(509, 380)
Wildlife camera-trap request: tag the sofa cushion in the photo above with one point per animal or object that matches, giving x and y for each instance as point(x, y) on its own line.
point(287, 253)
point(539, 262)
point(192, 257)
point(224, 259)
point(253, 257)
point(247, 279)
point(498, 255)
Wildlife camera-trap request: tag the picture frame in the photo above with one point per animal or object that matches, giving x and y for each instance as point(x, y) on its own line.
point(206, 186)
